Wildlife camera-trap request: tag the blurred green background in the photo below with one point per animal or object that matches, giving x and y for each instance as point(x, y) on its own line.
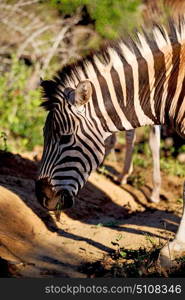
point(39, 37)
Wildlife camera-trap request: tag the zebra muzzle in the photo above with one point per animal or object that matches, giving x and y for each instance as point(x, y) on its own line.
point(50, 199)
point(65, 201)
point(59, 202)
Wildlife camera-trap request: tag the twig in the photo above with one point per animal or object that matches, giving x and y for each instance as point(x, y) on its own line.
point(57, 42)
point(13, 26)
point(31, 38)
point(53, 49)
point(26, 3)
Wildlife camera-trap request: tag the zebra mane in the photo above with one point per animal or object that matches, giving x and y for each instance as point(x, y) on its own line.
point(158, 38)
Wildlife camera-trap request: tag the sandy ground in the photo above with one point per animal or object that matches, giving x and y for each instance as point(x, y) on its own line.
point(36, 244)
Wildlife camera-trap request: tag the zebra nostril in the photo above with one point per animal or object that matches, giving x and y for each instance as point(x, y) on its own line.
point(65, 201)
point(44, 201)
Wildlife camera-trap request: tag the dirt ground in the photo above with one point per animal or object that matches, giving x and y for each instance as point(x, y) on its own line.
point(105, 219)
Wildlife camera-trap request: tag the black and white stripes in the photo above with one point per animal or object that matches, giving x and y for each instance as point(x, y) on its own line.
point(126, 85)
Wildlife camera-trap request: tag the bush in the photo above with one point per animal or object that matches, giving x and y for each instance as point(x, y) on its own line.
point(21, 119)
point(172, 167)
point(110, 16)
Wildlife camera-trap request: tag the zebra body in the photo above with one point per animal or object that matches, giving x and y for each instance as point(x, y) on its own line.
point(124, 86)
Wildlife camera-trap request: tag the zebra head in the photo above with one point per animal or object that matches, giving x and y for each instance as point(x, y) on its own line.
point(73, 146)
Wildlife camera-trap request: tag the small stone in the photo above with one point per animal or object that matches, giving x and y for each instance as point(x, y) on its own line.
point(181, 157)
point(168, 142)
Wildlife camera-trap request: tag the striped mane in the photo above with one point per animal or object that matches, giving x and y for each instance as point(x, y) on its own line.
point(70, 75)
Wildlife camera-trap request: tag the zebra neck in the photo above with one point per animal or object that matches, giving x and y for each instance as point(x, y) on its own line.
point(135, 83)
point(145, 87)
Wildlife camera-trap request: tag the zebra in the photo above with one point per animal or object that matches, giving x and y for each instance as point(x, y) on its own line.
point(154, 143)
point(128, 84)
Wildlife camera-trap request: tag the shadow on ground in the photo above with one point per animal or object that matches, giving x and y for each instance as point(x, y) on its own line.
point(31, 236)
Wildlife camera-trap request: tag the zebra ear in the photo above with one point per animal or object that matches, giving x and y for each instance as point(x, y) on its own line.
point(83, 93)
point(80, 95)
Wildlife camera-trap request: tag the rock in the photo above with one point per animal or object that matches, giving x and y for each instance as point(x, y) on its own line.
point(181, 157)
point(168, 142)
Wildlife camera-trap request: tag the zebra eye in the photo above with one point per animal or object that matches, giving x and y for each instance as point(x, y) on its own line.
point(66, 139)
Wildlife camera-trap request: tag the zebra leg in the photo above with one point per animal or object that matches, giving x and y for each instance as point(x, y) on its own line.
point(176, 248)
point(154, 142)
point(128, 165)
point(110, 144)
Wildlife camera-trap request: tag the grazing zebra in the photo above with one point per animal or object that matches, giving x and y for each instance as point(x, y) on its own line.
point(124, 86)
point(154, 143)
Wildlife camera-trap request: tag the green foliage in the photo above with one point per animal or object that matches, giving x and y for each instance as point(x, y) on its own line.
point(140, 161)
point(21, 119)
point(136, 263)
point(3, 141)
point(150, 239)
point(110, 16)
point(142, 158)
point(182, 149)
point(167, 149)
point(143, 148)
point(136, 180)
point(180, 200)
point(121, 138)
point(172, 166)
